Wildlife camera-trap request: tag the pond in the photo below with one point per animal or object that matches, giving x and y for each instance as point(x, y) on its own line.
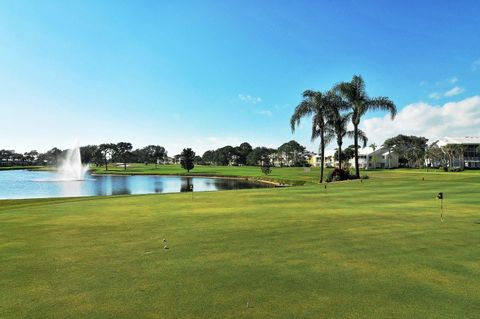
point(19, 184)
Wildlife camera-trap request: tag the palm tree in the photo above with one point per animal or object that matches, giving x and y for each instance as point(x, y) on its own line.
point(339, 124)
point(314, 103)
point(374, 158)
point(360, 103)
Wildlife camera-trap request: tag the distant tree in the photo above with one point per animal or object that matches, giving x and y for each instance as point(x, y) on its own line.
point(347, 154)
point(410, 149)
point(257, 154)
point(53, 156)
point(198, 160)
point(6, 155)
point(160, 154)
point(87, 153)
point(186, 159)
point(177, 158)
point(107, 150)
point(123, 152)
point(242, 153)
point(454, 152)
point(209, 157)
point(436, 156)
point(360, 103)
point(42, 159)
point(292, 153)
point(18, 159)
point(224, 155)
point(31, 156)
point(98, 157)
point(151, 154)
point(266, 167)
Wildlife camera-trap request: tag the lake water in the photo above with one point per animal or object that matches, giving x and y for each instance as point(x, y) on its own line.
point(16, 184)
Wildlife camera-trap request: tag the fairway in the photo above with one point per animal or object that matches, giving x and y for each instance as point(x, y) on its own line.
point(371, 249)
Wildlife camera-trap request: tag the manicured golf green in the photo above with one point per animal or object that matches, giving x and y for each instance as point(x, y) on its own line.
point(375, 249)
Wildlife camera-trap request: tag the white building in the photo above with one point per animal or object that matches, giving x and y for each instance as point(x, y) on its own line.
point(315, 160)
point(471, 150)
point(380, 158)
point(367, 159)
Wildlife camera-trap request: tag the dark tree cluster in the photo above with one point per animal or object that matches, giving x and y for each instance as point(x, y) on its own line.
point(91, 154)
point(123, 153)
point(12, 158)
point(288, 154)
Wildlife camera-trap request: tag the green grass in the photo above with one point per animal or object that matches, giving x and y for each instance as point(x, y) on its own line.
point(375, 249)
point(7, 168)
point(291, 175)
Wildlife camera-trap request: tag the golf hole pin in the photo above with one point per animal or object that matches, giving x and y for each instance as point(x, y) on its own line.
point(440, 197)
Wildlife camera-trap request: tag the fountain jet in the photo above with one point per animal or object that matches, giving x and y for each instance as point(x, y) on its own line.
point(71, 168)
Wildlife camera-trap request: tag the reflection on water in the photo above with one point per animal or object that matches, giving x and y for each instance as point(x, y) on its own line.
point(36, 184)
point(187, 185)
point(119, 186)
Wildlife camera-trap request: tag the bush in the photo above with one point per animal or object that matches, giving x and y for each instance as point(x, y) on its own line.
point(337, 175)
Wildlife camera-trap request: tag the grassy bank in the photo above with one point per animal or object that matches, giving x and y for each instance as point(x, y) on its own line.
point(6, 168)
point(288, 175)
point(374, 249)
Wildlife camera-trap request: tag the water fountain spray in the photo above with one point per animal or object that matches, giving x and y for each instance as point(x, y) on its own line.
point(71, 167)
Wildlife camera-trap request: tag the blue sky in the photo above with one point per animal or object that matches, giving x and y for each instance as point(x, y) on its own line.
point(204, 74)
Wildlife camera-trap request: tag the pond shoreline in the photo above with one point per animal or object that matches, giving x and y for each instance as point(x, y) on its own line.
point(245, 178)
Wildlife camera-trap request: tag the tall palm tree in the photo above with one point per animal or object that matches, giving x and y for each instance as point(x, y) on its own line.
point(314, 103)
point(339, 124)
point(374, 158)
point(360, 103)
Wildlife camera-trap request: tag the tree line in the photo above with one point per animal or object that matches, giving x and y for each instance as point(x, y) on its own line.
point(288, 154)
point(98, 155)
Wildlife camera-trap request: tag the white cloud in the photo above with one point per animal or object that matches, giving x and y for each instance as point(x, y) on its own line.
point(476, 65)
point(422, 83)
point(448, 81)
point(454, 91)
point(453, 79)
point(264, 112)
point(249, 99)
point(451, 119)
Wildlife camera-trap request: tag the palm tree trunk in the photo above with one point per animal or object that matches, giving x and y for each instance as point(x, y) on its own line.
point(322, 157)
point(124, 166)
point(106, 164)
point(355, 143)
point(339, 155)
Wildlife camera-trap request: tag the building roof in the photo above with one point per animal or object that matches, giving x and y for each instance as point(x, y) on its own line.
point(464, 140)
